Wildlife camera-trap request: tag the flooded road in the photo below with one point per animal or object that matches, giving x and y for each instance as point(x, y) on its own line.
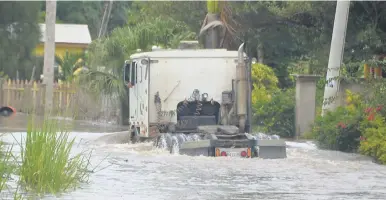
point(140, 172)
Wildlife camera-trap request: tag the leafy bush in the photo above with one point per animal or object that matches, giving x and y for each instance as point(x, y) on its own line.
point(279, 114)
point(360, 125)
point(273, 108)
point(373, 139)
point(264, 84)
point(340, 129)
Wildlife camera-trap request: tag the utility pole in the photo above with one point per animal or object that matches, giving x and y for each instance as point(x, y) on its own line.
point(105, 19)
point(336, 55)
point(49, 53)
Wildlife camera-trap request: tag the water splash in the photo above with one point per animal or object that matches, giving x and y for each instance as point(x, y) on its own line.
point(263, 136)
point(173, 141)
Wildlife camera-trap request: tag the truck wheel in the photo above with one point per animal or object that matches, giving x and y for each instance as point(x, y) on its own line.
point(255, 153)
point(173, 147)
point(135, 138)
point(156, 141)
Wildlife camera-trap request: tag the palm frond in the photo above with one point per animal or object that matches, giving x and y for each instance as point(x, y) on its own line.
point(111, 52)
point(231, 25)
point(102, 83)
point(68, 64)
point(220, 17)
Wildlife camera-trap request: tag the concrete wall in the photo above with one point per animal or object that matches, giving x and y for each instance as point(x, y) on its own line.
point(353, 87)
point(305, 109)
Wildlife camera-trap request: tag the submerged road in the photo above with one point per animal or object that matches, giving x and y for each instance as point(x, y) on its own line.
point(140, 172)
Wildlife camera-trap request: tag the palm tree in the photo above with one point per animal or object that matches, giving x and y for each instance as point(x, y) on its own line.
point(68, 64)
point(218, 27)
point(111, 52)
point(106, 56)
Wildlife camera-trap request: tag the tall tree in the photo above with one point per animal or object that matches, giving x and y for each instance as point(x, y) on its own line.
point(19, 35)
point(112, 51)
point(91, 13)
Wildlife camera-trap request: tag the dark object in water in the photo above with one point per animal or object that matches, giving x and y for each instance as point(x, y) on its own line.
point(7, 111)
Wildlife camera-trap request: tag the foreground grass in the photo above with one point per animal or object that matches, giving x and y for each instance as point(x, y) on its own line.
point(47, 166)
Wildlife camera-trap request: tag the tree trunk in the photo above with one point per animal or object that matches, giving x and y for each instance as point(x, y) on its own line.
point(212, 37)
point(260, 53)
point(49, 53)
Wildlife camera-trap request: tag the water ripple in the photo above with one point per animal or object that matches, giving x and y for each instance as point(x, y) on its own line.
point(141, 172)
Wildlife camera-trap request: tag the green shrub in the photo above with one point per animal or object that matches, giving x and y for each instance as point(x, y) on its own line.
point(264, 84)
point(338, 130)
point(273, 108)
point(373, 127)
point(373, 140)
point(278, 116)
point(46, 163)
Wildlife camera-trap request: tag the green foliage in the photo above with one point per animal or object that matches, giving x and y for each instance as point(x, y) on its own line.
point(19, 35)
point(273, 108)
point(90, 13)
point(374, 136)
point(69, 64)
point(191, 13)
point(338, 130)
point(112, 51)
point(212, 6)
point(373, 126)
point(286, 33)
point(277, 116)
point(264, 84)
point(46, 165)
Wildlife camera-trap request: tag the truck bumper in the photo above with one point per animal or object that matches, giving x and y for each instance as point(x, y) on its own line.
point(267, 149)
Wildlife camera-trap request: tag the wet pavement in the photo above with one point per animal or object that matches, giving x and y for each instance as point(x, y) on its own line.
point(19, 122)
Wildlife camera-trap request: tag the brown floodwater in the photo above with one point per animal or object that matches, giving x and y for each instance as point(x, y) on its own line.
point(142, 172)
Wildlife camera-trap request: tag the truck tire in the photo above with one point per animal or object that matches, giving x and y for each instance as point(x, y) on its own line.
point(156, 141)
point(135, 138)
point(255, 152)
point(173, 147)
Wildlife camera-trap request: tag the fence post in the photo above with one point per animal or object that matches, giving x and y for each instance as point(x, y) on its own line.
point(27, 96)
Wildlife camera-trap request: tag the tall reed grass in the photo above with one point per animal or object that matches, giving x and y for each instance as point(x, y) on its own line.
point(46, 162)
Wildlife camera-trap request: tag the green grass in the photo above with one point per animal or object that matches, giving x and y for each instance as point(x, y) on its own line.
point(47, 166)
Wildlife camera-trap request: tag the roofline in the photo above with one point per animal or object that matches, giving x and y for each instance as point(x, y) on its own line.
point(185, 57)
point(86, 31)
point(143, 55)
